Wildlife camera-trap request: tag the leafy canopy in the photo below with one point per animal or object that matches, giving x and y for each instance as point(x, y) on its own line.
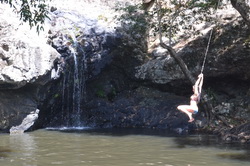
point(32, 11)
point(182, 15)
point(174, 16)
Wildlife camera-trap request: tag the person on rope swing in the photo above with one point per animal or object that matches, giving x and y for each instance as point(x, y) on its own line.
point(194, 100)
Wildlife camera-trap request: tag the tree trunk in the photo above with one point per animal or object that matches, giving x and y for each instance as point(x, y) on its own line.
point(243, 7)
point(180, 62)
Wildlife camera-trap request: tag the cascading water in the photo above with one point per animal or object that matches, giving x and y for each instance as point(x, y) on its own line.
point(80, 36)
point(63, 103)
point(71, 108)
point(82, 58)
point(76, 94)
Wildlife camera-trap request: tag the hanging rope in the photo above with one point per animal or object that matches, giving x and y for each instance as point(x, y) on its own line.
point(205, 57)
point(209, 41)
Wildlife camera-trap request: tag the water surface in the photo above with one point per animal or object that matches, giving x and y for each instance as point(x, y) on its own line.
point(89, 147)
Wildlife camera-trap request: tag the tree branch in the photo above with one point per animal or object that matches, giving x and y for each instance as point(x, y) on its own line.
point(171, 51)
point(243, 8)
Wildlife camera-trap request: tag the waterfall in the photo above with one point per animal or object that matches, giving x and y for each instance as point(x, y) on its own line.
point(78, 85)
point(80, 37)
point(76, 95)
point(64, 113)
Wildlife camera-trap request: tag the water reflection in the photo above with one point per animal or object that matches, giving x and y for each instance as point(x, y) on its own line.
point(25, 148)
point(181, 141)
point(117, 131)
point(245, 156)
point(208, 141)
point(242, 150)
point(4, 152)
point(197, 140)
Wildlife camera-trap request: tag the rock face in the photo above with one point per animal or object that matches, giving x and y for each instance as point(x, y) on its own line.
point(89, 43)
point(238, 134)
point(140, 108)
point(24, 55)
point(23, 60)
point(25, 64)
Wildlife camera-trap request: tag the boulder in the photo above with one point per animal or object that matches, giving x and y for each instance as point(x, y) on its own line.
point(24, 54)
point(27, 122)
point(26, 61)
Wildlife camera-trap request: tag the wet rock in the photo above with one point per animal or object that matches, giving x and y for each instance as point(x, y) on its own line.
point(27, 122)
point(142, 107)
point(237, 134)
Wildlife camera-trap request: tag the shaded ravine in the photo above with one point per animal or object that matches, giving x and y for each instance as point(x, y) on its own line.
point(116, 98)
point(108, 79)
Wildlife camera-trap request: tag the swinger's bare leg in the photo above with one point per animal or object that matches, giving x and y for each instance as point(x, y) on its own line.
point(187, 109)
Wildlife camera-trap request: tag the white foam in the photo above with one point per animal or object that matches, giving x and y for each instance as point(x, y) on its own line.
point(67, 128)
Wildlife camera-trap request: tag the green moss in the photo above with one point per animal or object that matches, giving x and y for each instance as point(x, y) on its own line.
point(101, 17)
point(100, 91)
point(247, 40)
point(56, 95)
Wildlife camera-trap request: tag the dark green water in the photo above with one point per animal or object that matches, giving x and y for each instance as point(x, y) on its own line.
point(117, 148)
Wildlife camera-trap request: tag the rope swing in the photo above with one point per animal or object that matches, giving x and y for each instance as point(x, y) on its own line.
point(209, 41)
point(205, 57)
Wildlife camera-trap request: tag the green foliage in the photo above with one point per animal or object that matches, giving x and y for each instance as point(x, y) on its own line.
point(56, 95)
point(113, 91)
point(133, 19)
point(175, 16)
point(102, 17)
point(204, 5)
point(32, 11)
point(211, 96)
point(109, 93)
point(247, 40)
point(100, 93)
point(182, 15)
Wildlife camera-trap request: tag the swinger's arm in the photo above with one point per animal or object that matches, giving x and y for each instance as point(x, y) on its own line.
point(198, 85)
point(201, 83)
